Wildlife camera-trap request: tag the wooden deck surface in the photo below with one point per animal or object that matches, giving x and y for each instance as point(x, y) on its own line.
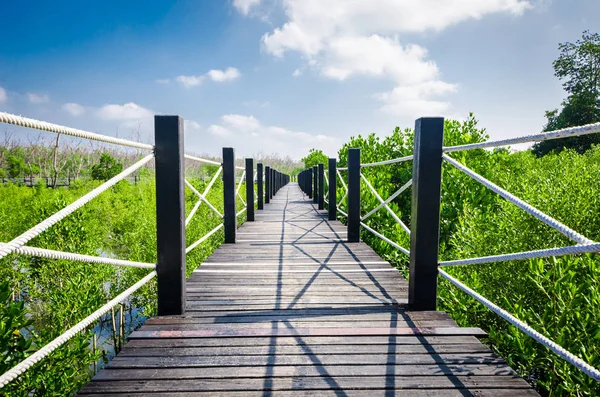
point(292, 309)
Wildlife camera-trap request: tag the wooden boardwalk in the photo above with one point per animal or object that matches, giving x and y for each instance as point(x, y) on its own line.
point(292, 309)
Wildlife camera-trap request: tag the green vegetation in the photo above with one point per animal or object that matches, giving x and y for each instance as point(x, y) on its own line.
point(559, 297)
point(107, 168)
point(42, 298)
point(578, 65)
point(314, 157)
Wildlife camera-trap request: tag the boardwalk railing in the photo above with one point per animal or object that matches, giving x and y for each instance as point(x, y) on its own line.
point(170, 268)
point(428, 156)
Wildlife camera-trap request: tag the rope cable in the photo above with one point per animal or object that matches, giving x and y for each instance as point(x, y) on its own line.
point(20, 121)
point(21, 240)
point(36, 357)
point(572, 234)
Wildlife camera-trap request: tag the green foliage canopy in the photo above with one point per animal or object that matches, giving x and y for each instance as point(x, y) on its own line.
point(314, 157)
point(107, 168)
point(578, 65)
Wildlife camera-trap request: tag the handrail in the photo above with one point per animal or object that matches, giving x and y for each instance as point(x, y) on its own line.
point(544, 136)
point(200, 160)
point(70, 256)
point(203, 197)
point(167, 129)
point(586, 245)
point(433, 128)
point(21, 240)
point(36, 357)
point(548, 220)
point(561, 352)
point(21, 121)
point(385, 162)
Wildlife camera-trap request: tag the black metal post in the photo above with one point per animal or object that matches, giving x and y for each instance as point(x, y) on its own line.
point(353, 195)
point(315, 184)
point(267, 184)
point(321, 187)
point(425, 214)
point(170, 214)
point(259, 182)
point(229, 205)
point(250, 190)
point(309, 183)
point(332, 207)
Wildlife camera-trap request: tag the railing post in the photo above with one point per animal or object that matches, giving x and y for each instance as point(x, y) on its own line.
point(332, 207)
point(229, 205)
point(315, 184)
point(250, 190)
point(267, 184)
point(425, 214)
point(170, 214)
point(271, 183)
point(259, 187)
point(321, 187)
point(353, 195)
point(309, 184)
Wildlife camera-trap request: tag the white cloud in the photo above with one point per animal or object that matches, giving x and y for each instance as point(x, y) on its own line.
point(341, 39)
point(191, 125)
point(297, 73)
point(312, 23)
point(38, 98)
point(128, 111)
point(190, 81)
point(252, 136)
point(74, 109)
point(3, 96)
point(228, 74)
point(417, 100)
point(162, 81)
point(219, 131)
point(244, 6)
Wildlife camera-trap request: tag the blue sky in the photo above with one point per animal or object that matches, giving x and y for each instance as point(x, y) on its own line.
point(285, 75)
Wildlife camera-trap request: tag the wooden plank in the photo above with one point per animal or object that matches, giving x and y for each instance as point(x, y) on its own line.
point(234, 333)
point(492, 392)
point(307, 340)
point(308, 371)
point(311, 383)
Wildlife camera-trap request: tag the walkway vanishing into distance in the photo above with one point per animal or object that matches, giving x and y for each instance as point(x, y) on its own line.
point(294, 309)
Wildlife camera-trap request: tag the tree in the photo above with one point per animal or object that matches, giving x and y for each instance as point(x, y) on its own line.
point(578, 65)
point(314, 157)
point(107, 168)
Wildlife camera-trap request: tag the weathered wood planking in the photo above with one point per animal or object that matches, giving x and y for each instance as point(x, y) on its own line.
point(292, 309)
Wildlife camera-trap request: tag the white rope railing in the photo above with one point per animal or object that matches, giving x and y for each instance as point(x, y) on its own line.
point(69, 256)
point(561, 352)
point(387, 240)
point(239, 187)
point(392, 213)
point(240, 212)
point(20, 121)
point(543, 253)
point(392, 161)
point(572, 234)
point(203, 238)
point(201, 160)
point(200, 200)
point(544, 136)
point(342, 212)
point(327, 181)
point(392, 197)
point(21, 240)
point(39, 355)
point(197, 193)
